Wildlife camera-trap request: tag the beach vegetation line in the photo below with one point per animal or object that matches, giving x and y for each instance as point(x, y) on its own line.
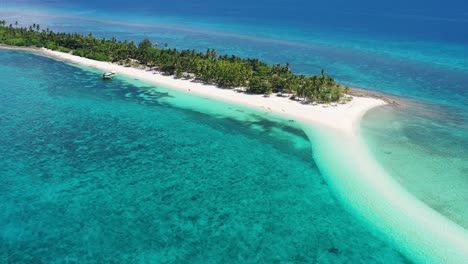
point(225, 71)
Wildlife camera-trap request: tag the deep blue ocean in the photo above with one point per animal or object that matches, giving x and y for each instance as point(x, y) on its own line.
point(416, 50)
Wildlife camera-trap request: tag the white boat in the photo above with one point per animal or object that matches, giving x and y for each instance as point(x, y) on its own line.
point(108, 75)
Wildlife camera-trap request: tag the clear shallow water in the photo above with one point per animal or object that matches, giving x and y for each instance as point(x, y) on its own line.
point(96, 171)
point(378, 199)
point(425, 149)
point(415, 49)
point(418, 55)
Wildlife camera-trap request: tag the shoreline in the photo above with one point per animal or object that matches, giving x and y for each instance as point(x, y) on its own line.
point(379, 191)
point(343, 117)
point(389, 99)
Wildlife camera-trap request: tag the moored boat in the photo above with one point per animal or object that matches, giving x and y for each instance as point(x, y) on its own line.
point(108, 75)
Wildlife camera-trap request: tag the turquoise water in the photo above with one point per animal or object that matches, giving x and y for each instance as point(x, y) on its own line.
point(421, 65)
point(96, 171)
point(415, 49)
point(368, 190)
point(424, 147)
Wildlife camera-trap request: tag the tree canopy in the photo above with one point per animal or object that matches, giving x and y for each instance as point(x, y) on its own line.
point(226, 71)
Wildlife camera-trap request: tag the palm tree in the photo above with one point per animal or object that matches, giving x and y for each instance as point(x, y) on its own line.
point(346, 90)
point(209, 67)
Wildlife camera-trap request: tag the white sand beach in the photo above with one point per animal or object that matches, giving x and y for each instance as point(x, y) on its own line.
point(342, 117)
point(411, 225)
point(423, 234)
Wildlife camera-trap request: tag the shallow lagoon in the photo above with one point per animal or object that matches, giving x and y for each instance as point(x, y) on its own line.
point(424, 147)
point(100, 171)
point(428, 64)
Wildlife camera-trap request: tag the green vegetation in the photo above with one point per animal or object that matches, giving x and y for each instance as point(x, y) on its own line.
point(224, 71)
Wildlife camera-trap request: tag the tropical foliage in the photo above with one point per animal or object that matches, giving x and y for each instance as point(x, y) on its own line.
point(222, 70)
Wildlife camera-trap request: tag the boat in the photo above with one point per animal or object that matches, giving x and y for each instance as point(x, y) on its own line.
point(108, 75)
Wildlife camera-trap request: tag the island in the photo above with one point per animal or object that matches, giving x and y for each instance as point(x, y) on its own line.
point(417, 230)
point(251, 74)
